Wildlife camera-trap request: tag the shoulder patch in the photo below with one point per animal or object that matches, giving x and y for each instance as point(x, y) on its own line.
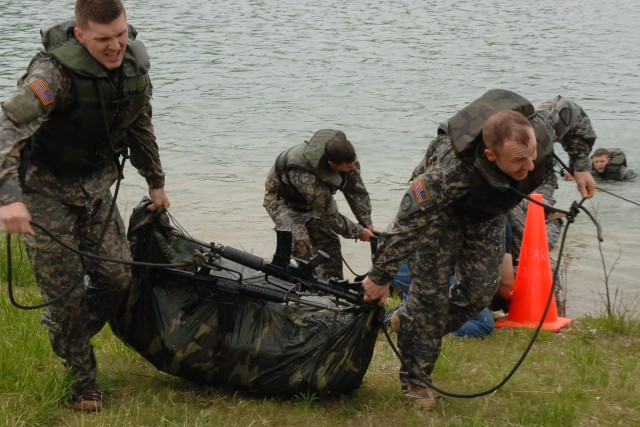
point(42, 91)
point(414, 200)
point(406, 203)
point(420, 191)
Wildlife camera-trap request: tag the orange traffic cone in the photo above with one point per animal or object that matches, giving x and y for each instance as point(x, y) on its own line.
point(533, 279)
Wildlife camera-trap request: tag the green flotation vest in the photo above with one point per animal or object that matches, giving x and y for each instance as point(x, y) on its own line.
point(308, 156)
point(612, 169)
point(465, 133)
point(86, 136)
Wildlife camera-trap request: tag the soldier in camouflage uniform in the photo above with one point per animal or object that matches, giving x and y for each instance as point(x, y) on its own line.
point(299, 197)
point(608, 165)
point(82, 100)
point(453, 215)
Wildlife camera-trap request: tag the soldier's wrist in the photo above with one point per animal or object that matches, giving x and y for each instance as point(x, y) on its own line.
point(379, 276)
point(10, 192)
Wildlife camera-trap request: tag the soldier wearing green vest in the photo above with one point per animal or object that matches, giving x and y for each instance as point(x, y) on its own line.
point(452, 217)
point(609, 165)
point(299, 198)
point(83, 104)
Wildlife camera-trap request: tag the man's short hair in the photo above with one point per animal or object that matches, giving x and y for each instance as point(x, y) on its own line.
point(98, 11)
point(339, 149)
point(601, 152)
point(503, 125)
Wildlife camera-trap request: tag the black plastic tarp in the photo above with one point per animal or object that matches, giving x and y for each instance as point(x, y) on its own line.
point(205, 324)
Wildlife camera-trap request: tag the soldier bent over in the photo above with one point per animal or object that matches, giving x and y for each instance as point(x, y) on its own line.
point(453, 214)
point(299, 197)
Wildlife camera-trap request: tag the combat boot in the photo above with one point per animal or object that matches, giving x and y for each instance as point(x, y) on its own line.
point(420, 395)
point(88, 399)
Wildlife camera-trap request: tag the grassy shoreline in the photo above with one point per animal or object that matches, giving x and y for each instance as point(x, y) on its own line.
point(585, 375)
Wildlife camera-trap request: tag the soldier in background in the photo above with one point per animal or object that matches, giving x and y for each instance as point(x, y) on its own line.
point(82, 103)
point(299, 197)
point(609, 165)
point(452, 217)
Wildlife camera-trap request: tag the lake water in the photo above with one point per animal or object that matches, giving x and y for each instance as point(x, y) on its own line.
point(237, 82)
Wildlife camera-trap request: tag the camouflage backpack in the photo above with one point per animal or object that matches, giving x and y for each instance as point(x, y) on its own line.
point(465, 127)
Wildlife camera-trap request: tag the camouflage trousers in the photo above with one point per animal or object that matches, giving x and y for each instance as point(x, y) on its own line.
point(309, 234)
point(98, 286)
point(454, 242)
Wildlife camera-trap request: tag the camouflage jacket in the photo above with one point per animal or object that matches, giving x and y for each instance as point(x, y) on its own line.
point(441, 179)
point(56, 96)
point(322, 203)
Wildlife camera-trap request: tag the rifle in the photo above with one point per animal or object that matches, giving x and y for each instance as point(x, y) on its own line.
point(282, 268)
point(230, 286)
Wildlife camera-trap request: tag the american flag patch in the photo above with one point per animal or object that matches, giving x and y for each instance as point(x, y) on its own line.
point(42, 91)
point(420, 191)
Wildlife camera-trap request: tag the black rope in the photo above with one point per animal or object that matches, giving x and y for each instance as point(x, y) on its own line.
point(615, 195)
point(65, 245)
point(374, 245)
point(184, 264)
point(349, 267)
point(112, 208)
point(570, 214)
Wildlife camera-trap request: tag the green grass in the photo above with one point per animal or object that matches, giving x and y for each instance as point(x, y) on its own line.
point(22, 274)
point(586, 375)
